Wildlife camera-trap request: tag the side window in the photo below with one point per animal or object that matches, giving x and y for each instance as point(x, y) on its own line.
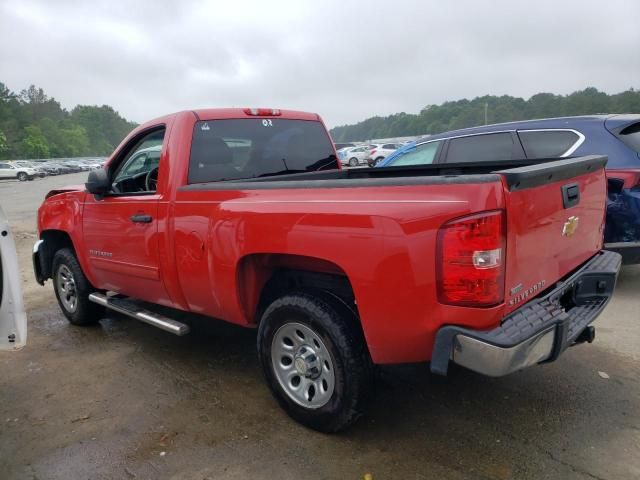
point(137, 172)
point(4, 166)
point(389, 146)
point(547, 143)
point(423, 154)
point(480, 148)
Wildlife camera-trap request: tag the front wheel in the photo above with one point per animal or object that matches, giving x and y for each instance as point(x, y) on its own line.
point(315, 360)
point(23, 177)
point(73, 289)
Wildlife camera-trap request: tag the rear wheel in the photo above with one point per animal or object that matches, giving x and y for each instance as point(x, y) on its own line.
point(378, 160)
point(353, 162)
point(72, 290)
point(23, 177)
point(315, 361)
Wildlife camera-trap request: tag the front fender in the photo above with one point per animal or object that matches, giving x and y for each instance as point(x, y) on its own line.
point(61, 215)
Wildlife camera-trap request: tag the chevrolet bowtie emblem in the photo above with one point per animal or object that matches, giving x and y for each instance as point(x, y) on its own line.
point(570, 226)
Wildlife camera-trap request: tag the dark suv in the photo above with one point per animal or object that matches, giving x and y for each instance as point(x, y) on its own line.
point(617, 136)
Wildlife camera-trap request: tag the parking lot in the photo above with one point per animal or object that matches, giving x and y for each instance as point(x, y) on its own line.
point(124, 400)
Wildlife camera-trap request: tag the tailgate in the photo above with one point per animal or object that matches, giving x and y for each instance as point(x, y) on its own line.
point(555, 214)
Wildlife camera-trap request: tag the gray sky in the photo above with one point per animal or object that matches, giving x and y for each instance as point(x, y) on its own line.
point(345, 60)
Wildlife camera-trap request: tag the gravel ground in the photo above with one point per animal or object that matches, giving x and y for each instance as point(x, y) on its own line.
point(124, 400)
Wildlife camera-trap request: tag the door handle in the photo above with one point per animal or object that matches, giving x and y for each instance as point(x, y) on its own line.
point(141, 218)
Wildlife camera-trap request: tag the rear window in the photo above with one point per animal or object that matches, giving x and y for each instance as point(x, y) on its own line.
point(258, 147)
point(545, 144)
point(480, 148)
point(631, 136)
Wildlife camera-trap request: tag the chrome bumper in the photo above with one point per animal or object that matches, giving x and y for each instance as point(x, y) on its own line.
point(537, 332)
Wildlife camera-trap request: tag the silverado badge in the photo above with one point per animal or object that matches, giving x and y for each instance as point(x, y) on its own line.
point(570, 226)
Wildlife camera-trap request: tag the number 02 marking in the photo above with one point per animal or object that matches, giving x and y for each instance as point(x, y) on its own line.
point(267, 122)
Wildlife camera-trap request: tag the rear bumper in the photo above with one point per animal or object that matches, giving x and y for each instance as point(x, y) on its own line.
point(630, 251)
point(537, 332)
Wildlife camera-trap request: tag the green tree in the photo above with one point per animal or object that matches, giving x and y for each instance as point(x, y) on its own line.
point(3, 142)
point(468, 113)
point(34, 144)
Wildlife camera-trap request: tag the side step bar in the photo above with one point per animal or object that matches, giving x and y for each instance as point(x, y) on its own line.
point(131, 309)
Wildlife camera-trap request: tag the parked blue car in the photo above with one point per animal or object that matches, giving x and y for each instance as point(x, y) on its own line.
point(617, 136)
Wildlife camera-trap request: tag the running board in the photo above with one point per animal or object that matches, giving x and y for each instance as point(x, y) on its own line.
point(131, 309)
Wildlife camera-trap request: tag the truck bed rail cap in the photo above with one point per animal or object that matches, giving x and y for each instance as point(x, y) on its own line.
point(532, 176)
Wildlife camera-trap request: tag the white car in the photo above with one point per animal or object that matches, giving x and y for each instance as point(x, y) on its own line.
point(41, 172)
point(13, 319)
point(9, 170)
point(354, 156)
point(380, 152)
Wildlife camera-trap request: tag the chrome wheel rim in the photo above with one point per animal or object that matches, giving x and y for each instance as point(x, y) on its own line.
point(303, 365)
point(66, 286)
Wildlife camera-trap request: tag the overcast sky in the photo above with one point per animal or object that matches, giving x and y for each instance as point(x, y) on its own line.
point(345, 60)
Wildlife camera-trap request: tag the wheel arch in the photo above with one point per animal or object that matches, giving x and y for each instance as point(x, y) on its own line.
point(54, 240)
point(261, 278)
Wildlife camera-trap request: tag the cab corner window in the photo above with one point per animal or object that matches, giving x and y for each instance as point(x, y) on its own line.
point(137, 172)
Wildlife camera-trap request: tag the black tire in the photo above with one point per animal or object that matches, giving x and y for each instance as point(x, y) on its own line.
point(377, 161)
point(353, 162)
point(335, 324)
point(23, 177)
point(84, 312)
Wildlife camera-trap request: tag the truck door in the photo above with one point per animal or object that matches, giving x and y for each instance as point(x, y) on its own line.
point(120, 229)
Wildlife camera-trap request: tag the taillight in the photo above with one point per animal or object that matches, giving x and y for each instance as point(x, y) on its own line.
point(262, 112)
point(471, 259)
point(372, 152)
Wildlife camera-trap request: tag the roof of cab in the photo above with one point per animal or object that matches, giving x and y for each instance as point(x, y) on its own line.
point(228, 113)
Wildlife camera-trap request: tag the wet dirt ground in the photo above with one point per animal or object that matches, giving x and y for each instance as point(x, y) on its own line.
point(123, 400)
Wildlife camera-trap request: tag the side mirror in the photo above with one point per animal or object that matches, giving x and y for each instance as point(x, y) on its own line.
point(98, 182)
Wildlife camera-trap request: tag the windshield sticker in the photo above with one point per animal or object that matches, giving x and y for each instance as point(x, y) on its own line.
point(205, 127)
point(267, 122)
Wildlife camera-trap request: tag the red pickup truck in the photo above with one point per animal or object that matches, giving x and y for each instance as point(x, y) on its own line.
point(245, 215)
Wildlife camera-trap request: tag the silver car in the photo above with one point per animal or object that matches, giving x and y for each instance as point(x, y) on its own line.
point(354, 156)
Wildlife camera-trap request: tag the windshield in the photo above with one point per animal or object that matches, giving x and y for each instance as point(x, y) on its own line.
point(258, 147)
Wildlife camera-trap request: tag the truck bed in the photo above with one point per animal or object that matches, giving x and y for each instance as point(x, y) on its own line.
point(518, 174)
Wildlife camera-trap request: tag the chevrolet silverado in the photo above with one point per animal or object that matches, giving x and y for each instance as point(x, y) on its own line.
point(244, 215)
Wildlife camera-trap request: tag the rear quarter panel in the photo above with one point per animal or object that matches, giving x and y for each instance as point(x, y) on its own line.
point(382, 238)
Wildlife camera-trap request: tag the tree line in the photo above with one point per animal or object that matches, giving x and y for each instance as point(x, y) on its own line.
point(34, 125)
point(465, 113)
